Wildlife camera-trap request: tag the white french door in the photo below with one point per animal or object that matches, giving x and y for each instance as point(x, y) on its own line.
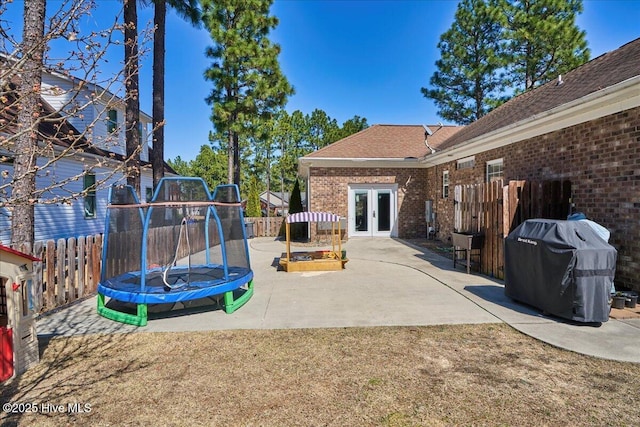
point(372, 210)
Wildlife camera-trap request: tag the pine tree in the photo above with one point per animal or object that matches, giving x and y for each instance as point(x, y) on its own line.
point(248, 82)
point(468, 82)
point(24, 177)
point(253, 201)
point(187, 9)
point(132, 101)
point(298, 230)
point(543, 40)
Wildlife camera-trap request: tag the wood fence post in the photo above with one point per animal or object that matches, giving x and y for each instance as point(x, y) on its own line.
point(81, 266)
point(506, 213)
point(60, 272)
point(38, 252)
point(97, 257)
point(89, 270)
point(51, 274)
point(71, 257)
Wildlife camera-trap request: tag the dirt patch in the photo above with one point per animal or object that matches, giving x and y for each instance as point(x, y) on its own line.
point(395, 376)
point(437, 246)
point(625, 313)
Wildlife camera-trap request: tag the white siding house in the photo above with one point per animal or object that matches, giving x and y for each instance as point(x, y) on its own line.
point(61, 92)
point(57, 215)
point(70, 218)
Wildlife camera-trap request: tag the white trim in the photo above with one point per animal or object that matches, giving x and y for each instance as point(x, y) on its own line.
point(372, 231)
point(446, 172)
point(493, 162)
point(305, 163)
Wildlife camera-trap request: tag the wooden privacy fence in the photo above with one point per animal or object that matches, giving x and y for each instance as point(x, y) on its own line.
point(70, 269)
point(163, 245)
point(536, 199)
point(265, 226)
point(494, 210)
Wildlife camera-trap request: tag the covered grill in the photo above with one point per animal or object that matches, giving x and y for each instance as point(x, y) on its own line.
point(561, 267)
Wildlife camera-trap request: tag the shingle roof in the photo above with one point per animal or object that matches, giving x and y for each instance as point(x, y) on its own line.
point(56, 129)
point(386, 141)
point(604, 71)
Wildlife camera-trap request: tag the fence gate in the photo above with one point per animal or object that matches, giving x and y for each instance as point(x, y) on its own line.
point(494, 210)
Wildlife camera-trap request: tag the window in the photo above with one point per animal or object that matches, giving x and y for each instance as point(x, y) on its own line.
point(494, 170)
point(466, 163)
point(148, 192)
point(90, 195)
point(27, 301)
point(445, 184)
point(112, 121)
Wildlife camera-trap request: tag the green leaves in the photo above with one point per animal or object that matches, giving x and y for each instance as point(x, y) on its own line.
point(210, 164)
point(270, 153)
point(470, 78)
point(543, 40)
point(248, 83)
point(496, 48)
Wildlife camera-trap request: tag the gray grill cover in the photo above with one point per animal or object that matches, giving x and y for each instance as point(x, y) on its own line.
point(562, 267)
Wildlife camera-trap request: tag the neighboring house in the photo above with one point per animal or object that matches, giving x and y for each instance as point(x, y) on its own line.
point(101, 122)
point(583, 127)
point(95, 143)
point(278, 202)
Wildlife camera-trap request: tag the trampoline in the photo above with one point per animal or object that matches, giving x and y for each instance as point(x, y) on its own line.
point(185, 244)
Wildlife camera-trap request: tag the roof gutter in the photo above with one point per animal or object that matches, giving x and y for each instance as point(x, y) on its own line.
point(305, 163)
point(611, 100)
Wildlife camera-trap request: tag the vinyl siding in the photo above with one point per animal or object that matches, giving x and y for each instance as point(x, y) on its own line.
point(64, 220)
point(58, 92)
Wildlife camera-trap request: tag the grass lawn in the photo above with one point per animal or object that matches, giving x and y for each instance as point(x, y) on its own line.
point(387, 376)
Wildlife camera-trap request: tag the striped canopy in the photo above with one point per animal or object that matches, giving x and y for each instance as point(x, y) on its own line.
point(313, 217)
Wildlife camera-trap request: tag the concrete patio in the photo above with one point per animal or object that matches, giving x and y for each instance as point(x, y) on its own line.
point(386, 282)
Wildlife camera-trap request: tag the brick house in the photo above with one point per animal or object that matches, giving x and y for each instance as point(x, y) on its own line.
point(375, 178)
point(583, 127)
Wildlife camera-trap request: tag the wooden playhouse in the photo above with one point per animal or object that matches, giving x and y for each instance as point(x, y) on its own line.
point(318, 260)
point(18, 338)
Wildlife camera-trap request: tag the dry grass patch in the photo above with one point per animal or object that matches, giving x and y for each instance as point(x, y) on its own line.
point(397, 376)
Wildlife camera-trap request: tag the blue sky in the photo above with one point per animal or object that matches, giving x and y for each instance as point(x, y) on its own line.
point(365, 58)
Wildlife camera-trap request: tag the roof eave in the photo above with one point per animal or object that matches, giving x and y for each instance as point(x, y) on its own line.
point(305, 163)
point(610, 100)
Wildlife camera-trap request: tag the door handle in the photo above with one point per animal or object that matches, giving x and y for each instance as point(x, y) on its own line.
point(374, 214)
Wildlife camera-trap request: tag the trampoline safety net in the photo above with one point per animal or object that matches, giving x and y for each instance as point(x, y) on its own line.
point(184, 244)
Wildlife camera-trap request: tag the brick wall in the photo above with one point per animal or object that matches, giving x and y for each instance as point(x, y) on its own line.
point(600, 158)
point(329, 192)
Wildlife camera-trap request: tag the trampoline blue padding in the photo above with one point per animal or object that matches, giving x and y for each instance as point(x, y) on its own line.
point(200, 281)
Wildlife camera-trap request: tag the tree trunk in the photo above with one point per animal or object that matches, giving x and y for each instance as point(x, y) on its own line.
point(269, 191)
point(230, 157)
point(157, 161)
point(24, 173)
point(236, 159)
point(282, 178)
point(132, 104)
